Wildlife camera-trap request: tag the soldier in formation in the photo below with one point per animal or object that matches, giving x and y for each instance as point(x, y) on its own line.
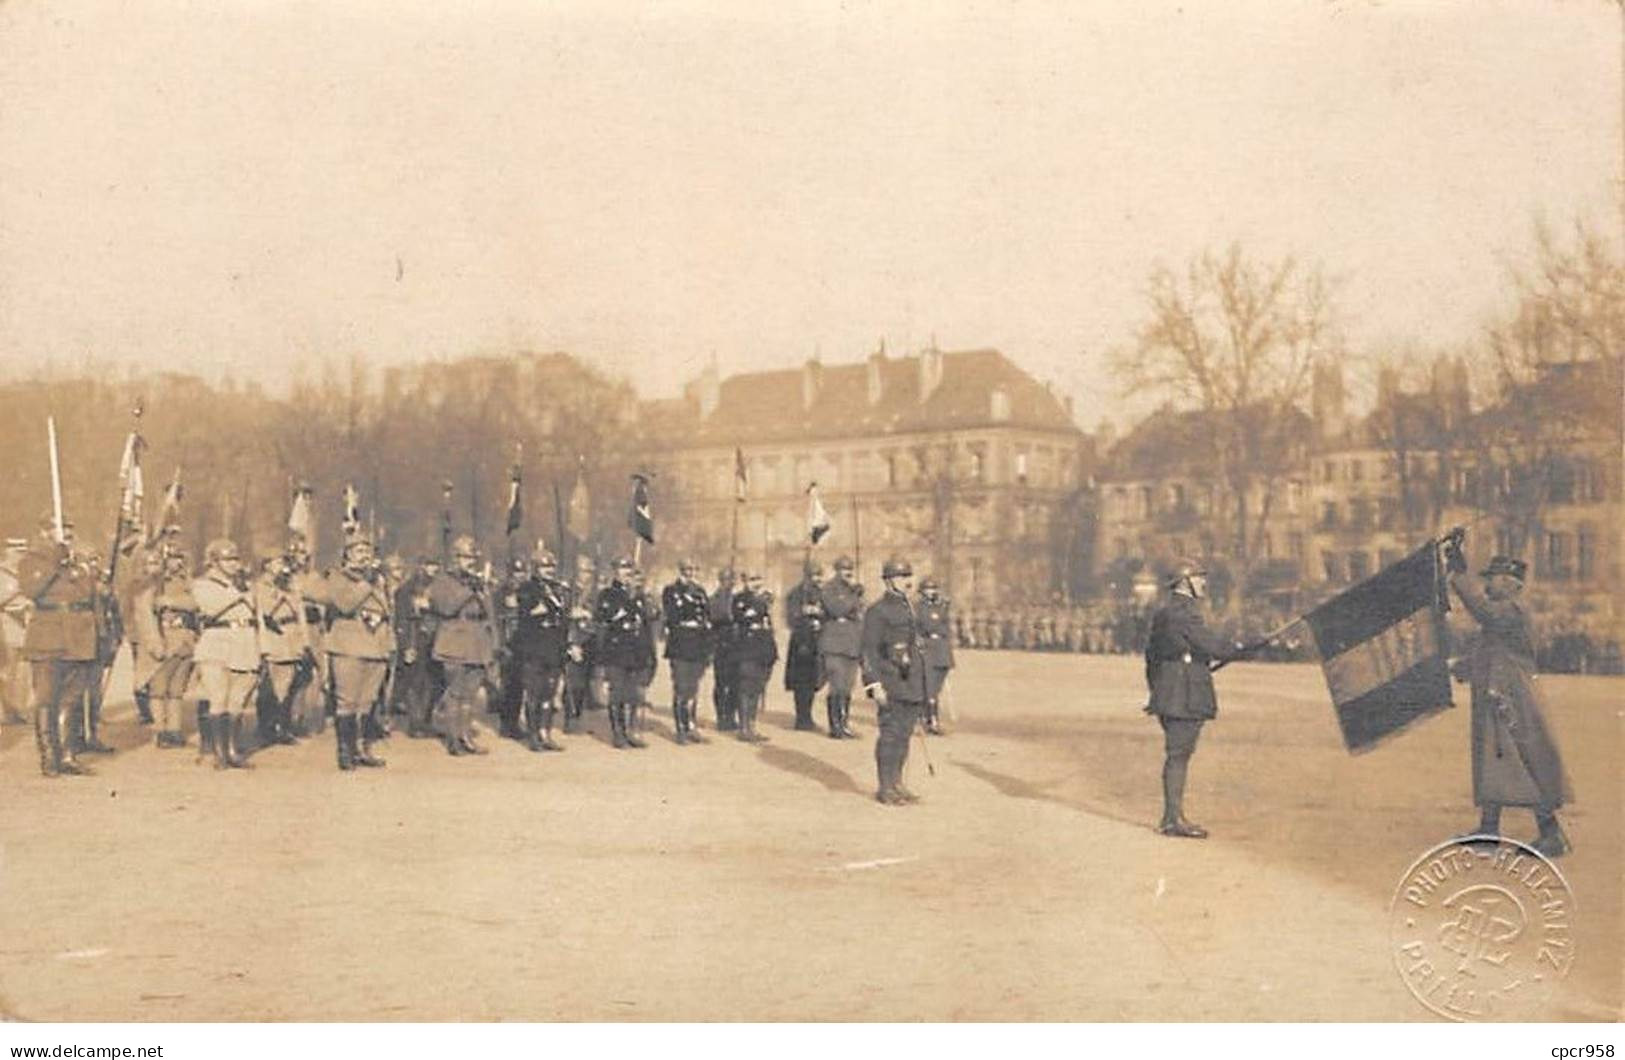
point(804, 616)
point(935, 617)
point(359, 640)
point(285, 641)
point(725, 660)
point(416, 689)
point(894, 676)
point(510, 691)
point(60, 645)
point(175, 614)
point(840, 641)
point(620, 620)
point(579, 661)
point(687, 609)
point(538, 647)
point(464, 645)
point(756, 649)
point(227, 654)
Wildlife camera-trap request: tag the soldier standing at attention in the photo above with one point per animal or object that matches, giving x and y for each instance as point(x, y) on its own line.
point(359, 640)
point(311, 698)
point(620, 619)
point(1179, 656)
point(804, 614)
point(725, 663)
point(175, 613)
point(649, 658)
point(537, 649)
point(285, 640)
point(757, 652)
point(936, 634)
point(227, 655)
point(414, 643)
point(464, 644)
point(1515, 759)
point(511, 691)
point(687, 608)
point(840, 644)
point(146, 640)
point(894, 677)
point(578, 657)
point(60, 645)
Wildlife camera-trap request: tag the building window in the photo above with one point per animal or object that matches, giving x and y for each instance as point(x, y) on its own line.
point(1585, 554)
point(1266, 546)
point(1329, 472)
point(978, 464)
point(1503, 541)
point(1356, 471)
point(1147, 502)
point(1557, 557)
point(1294, 496)
point(1294, 544)
point(891, 470)
point(1328, 514)
point(1359, 566)
point(999, 405)
point(1176, 495)
point(1333, 568)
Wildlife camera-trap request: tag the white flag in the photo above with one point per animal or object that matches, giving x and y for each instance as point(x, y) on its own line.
point(817, 517)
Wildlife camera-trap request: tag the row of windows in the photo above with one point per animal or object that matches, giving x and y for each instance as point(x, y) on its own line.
point(904, 467)
point(1145, 502)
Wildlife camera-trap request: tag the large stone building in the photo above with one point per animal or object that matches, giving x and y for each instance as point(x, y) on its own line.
point(958, 459)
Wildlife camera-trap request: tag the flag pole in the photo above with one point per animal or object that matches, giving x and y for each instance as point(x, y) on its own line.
point(56, 482)
point(857, 538)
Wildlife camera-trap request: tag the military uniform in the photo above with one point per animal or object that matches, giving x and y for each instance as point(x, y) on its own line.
point(359, 641)
point(621, 621)
point(803, 676)
point(227, 657)
point(285, 642)
point(465, 645)
point(936, 641)
point(579, 662)
point(415, 690)
point(176, 615)
point(1178, 673)
point(725, 662)
point(687, 609)
point(893, 659)
point(510, 688)
point(60, 645)
point(538, 648)
point(14, 609)
point(1515, 758)
point(757, 651)
point(311, 698)
point(840, 648)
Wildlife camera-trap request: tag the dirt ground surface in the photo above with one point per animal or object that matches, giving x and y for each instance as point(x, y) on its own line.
point(730, 882)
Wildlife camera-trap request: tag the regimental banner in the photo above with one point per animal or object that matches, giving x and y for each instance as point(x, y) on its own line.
point(1382, 647)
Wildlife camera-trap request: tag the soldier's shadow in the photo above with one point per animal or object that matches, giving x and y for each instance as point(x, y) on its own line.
point(802, 764)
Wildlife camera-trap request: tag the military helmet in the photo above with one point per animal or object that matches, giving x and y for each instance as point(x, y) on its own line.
point(1185, 568)
point(221, 548)
point(356, 540)
point(845, 563)
point(1512, 568)
point(625, 563)
point(464, 547)
point(896, 567)
point(545, 558)
point(929, 582)
point(687, 565)
point(516, 565)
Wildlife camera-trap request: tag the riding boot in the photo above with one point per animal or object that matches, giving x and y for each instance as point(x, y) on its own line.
point(846, 718)
point(465, 726)
point(630, 723)
point(1552, 842)
point(343, 735)
point(361, 748)
point(533, 724)
point(284, 723)
point(1173, 822)
point(48, 741)
point(617, 726)
point(679, 722)
point(205, 731)
point(220, 739)
point(832, 711)
point(691, 714)
point(804, 706)
point(143, 706)
point(933, 717)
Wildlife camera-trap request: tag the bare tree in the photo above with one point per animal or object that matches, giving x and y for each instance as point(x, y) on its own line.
point(1236, 339)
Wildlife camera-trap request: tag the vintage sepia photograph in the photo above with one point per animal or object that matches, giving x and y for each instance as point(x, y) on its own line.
point(910, 512)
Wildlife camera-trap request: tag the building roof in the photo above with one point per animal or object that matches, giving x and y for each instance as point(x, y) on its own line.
point(1170, 442)
point(755, 407)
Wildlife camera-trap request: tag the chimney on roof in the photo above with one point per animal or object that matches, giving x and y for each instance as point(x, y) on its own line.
point(876, 359)
point(812, 381)
point(710, 389)
point(930, 371)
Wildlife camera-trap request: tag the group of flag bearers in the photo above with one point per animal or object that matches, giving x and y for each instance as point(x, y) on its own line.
point(367, 637)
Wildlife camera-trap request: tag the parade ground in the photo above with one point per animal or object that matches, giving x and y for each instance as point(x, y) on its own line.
point(737, 882)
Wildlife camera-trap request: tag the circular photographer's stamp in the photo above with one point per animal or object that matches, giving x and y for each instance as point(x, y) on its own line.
point(1483, 929)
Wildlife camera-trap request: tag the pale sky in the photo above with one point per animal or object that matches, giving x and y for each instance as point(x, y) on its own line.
point(229, 187)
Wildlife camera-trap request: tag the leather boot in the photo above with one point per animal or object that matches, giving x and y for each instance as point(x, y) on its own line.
point(748, 708)
point(629, 722)
point(343, 734)
point(549, 711)
point(832, 711)
point(361, 748)
point(933, 718)
point(691, 714)
point(533, 725)
point(1552, 842)
point(617, 726)
point(48, 742)
point(465, 728)
point(205, 730)
point(679, 722)
point(143, 706)
point(846, 718)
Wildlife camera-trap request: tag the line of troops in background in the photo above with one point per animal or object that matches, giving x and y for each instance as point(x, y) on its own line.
point(369, 640)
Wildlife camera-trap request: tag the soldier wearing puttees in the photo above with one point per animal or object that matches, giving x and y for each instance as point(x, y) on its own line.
point(804, 614)
point(464, 644)
point(936, 621)
point(285, 641)
point(620, 620)
point(578, 658)
point(1515, 759)
point(539, 645)
point(1179, 660)
point(60, 645)
point(894, 677)
point(415, 690)
point(757, 651)
point(687, 609)
point(311, 698)
point(725, 661)
point(840, 644)
point(175, 613)
point(227, 655)
point(359, 640)
point(146, 640)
